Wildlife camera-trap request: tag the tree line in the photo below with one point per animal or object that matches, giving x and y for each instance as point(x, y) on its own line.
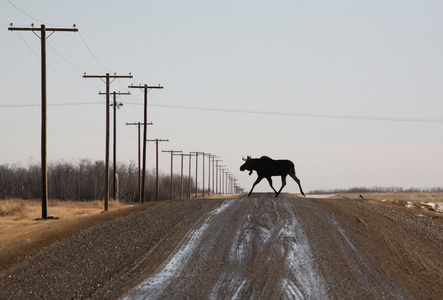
point(84, 181)
point(378, 189)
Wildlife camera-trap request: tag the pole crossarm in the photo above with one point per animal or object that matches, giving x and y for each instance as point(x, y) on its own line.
point(158, 140)
point(39, 29)
point(139, 123)
point(145, 86)
point(116, 93)
point(107, 76)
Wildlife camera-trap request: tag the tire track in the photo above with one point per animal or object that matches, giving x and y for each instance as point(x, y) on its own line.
point(248, 248)
point(367, 277)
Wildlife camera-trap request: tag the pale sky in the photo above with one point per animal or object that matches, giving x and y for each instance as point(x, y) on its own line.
point(350, 91)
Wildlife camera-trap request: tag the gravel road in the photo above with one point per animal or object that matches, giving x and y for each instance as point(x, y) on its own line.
point(244, 248)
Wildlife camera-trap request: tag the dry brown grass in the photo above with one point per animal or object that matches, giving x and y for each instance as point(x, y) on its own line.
point(431, 203)
point(21, 236)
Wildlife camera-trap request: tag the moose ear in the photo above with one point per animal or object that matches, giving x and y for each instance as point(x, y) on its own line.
point(248, 158)
point(243, 158)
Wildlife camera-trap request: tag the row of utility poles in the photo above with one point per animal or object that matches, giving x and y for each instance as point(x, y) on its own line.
point(224, 181)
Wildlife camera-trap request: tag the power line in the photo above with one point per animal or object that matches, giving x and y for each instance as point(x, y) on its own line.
point(288, 114)
point(39, 58)
point(66, 61)
point(53, 104)
point(306, 115)
point(90, 51)
point(26, 14)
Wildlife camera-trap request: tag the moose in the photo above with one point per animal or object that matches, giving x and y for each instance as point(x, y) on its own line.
point(267, 167)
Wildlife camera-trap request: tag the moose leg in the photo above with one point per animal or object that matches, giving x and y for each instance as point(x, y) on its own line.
point(283, 183)
point(255, 183)
point(270, 183)
point(298, 182)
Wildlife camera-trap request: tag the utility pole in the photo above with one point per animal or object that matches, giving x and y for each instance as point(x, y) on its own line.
point(228, 182)
point(157, 190)
point(115, 105)
point(196, 171)
point(107, 77)
point(172, 176)
point(181, 185)
point(138, 124)
point(190, 167)
point(145, 130)
point(216, 175)
point(221, 178)
point(209, 171)
point(44, 164)
point(203, 175)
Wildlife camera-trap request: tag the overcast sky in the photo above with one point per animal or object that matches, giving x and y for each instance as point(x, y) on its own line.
point(350, 91)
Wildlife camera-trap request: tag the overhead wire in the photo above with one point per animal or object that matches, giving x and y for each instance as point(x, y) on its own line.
point(80, 35)
point(39, 57)
point(64, 59)
point(26, 14)
point(90, 51)
point(274, 113)
point(305, 115)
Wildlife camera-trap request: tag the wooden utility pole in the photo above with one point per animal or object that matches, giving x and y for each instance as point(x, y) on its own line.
point(213, 172)
point(216, 176)
point(209, 172)
point(228, 182)
point(157, 189)
point(172, 176)
point(139, 152)
point(221, 178)
point(181, 185)
point(146, 88)
point(115, 105)
point(203, 181)
point(223, 181)
point(181, 194)
point(196, 171)
point(44, 163)
point(107, 77)
point(190, 167)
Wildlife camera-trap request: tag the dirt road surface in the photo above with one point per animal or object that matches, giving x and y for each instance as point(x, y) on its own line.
point(244, 248)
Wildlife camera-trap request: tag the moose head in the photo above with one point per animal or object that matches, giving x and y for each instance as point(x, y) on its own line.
point(247, 165)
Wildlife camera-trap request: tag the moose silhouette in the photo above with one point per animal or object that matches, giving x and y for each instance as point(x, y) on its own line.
point(267, 167)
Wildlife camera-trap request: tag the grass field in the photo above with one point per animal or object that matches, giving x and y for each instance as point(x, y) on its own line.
point(17, 216)
point(22, 236)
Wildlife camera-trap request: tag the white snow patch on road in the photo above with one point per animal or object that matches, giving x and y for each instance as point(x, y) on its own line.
point(170, 270)
point(438, 207)
point(300, 279)
point(409, 204)
point(320, 195)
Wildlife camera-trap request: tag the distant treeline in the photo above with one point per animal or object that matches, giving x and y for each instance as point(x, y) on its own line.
point(84, 181)
point(378, 189)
